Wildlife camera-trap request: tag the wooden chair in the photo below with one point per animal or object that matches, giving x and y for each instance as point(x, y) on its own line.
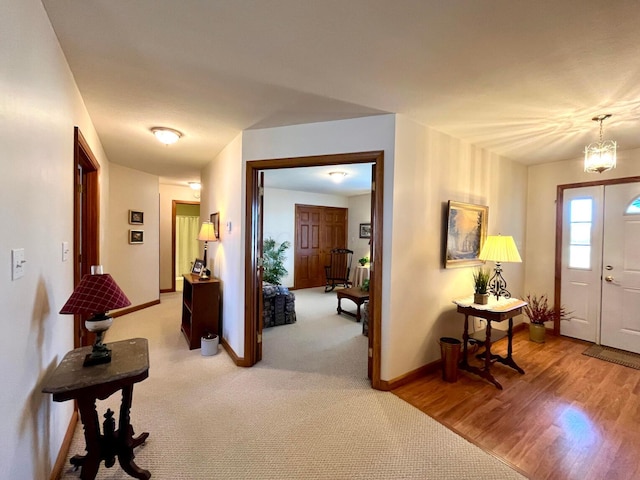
point(337, 272)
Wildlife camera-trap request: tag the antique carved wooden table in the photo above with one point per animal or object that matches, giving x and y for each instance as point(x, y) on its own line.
point(70, 380)
point(494, 311)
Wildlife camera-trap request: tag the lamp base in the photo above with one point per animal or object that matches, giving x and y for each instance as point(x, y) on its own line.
point(92, 359)
point(100, 353)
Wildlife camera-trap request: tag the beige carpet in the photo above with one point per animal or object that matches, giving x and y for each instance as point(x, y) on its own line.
point(614, 355)
point(306, 411)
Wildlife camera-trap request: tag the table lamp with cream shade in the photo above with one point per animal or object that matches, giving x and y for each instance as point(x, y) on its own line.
point(499, 249)
point(207, 234)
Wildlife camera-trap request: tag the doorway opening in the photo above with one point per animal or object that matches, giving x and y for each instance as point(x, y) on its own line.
point(86, 218)
point(185, 224)
point(253, 249)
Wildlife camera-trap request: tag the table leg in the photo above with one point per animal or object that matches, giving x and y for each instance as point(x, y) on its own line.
point(90, 462)
point(464, 364)
point(486, 372)
point(509, 359)
point(358, 312)
point(339, 306)
point(126, 442)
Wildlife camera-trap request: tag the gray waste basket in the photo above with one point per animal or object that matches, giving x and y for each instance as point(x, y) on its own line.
point(209, 344)
point(450, 354)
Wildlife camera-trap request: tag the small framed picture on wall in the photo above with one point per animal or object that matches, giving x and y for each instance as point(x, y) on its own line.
point(136, 236)
point(136, 218)
point(365, 230)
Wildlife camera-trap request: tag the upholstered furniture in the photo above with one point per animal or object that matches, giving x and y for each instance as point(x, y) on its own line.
point(339, 268)
point(365, 319)
point(279, 305)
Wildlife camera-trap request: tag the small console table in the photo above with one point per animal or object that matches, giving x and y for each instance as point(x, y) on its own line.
point(71, 381)
point(494, 311)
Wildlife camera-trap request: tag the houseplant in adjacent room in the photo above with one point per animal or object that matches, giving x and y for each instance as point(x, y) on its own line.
point(539, 312)
point(481, 285)
point(363, 261)
point(274, 256)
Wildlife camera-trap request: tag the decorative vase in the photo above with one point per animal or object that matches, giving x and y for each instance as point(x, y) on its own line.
point(481, 298)
point(537, 332)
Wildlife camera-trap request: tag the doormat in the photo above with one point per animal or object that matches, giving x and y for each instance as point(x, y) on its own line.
point(614, 355)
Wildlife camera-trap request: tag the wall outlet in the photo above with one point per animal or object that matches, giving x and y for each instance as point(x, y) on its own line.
point(17, 263)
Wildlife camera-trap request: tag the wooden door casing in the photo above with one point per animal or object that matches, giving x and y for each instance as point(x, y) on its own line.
point(318, 230)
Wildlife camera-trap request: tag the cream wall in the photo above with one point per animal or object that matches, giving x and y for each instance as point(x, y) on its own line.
point(344, 136)
point(169, 193)
point(134, 266)
point(39, 107)
point(223, 191)
point(279, 218)
point(423, 170)
point(432, 168)
point(359, 212)
point(541, 211)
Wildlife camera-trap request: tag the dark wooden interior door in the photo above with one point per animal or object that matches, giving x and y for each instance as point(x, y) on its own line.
point(318, 230)
point(86, 218)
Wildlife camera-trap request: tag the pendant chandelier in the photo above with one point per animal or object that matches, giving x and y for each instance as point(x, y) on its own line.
point(600, 156)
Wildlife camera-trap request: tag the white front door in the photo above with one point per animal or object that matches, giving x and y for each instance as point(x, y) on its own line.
point(581, 261)
point(621, 268)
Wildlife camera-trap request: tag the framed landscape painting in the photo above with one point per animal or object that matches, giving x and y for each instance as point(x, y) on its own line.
point(466, 232)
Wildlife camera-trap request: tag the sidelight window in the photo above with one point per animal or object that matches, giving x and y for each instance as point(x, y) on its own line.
point(580, 228)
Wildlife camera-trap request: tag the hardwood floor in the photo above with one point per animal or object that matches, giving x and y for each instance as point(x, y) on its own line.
point(568, 417)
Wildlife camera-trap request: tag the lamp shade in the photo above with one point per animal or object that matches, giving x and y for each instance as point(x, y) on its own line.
point(95, 294)
point(207, 233)
point(497, 248)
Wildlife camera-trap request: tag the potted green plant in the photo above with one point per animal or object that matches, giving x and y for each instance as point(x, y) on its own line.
point(481, 285)
point(539, 312)
point(363, 261)
point(273, 261)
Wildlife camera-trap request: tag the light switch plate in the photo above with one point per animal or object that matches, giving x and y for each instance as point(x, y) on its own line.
point(17, 263)
point(65, 251)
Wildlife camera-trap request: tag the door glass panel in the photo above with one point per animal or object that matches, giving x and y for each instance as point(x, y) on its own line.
point(581, 233)
point(581, 210)
point(579, 256)
point(580, 225)
point(634, 208)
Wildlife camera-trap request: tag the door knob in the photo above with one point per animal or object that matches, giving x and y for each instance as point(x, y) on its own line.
point(608, 278)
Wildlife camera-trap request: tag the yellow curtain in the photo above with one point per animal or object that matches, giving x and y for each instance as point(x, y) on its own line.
point(187, 245)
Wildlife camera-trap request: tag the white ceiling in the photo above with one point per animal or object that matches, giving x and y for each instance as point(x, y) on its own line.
point(357, 180)
point(521, 78)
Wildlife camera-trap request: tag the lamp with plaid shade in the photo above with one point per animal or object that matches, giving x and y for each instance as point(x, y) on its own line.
point(95, 295)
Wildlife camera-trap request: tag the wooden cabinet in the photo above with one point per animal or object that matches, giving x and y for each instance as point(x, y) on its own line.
point(200, 308)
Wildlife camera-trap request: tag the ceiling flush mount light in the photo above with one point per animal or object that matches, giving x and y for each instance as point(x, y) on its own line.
point(600, 156)
point(195, 185)
point(166, 135)
point(337, 177)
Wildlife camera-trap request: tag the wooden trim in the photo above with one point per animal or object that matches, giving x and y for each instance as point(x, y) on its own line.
point(557, 289)
point(86, 221)
point(409, 377)
point(252, 289)
point(167, 290)
point(135, 308)
point(61, 460)
point(240, 362)
point(428, 368)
